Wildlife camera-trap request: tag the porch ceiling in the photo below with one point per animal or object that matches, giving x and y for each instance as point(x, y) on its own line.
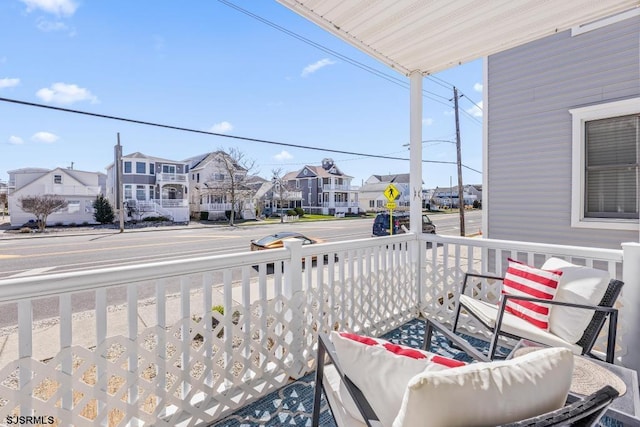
point(432, 35)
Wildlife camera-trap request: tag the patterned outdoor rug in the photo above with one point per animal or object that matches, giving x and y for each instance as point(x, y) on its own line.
point(292, 404)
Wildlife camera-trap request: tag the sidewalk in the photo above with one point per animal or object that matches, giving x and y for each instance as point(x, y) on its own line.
point(46, 333)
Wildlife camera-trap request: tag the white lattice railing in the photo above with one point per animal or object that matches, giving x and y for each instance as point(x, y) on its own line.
point(449, 258)
point(142, 344)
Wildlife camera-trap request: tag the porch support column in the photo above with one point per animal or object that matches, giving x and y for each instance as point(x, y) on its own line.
point(415, 152)
point(630, 315)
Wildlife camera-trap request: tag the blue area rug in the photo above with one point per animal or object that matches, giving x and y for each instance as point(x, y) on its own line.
point(292, 405)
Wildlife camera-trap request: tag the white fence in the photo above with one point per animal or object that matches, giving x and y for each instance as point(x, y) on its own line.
point(186, 342)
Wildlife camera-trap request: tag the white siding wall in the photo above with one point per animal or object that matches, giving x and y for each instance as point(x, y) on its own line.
point(530, 90)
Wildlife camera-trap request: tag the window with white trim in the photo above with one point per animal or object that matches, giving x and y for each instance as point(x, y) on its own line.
point(57, 179)
point(141, 168)
point(605, 165)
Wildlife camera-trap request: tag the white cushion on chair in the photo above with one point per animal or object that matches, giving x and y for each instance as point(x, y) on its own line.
point(338, 401)
point(381, 371)
point(515, 325)
point(578, 285)
point(488, 394)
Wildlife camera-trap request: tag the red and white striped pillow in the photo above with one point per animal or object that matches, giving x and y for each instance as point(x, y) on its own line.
point(382, 370)
point(525, 280)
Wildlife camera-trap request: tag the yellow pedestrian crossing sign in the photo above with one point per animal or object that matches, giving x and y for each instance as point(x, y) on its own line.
point(391, 192)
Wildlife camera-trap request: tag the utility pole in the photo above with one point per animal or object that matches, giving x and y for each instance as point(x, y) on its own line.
point(459, 161)
point(118, 186)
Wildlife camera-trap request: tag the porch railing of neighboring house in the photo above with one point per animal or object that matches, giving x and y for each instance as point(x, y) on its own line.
point(340, 204)
point(333, 187)
point(170, 177)
point(142, 344)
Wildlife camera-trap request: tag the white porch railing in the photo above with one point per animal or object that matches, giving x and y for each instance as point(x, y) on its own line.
point(171, 177)
point(141, 344)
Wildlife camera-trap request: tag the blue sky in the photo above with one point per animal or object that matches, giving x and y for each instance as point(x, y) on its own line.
point(207, 66)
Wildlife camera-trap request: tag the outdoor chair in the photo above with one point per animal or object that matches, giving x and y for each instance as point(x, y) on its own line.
point(371, 382)
point(572, 315)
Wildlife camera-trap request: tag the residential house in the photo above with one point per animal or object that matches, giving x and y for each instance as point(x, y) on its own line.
point(211, 185)
point(78, 188)
point(563, 119)
point(151, 186)
point(371, 197)
point(448, 197)
point(275, 195)
point(325, 189)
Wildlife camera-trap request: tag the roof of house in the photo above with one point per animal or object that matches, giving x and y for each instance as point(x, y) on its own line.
point(399, 178)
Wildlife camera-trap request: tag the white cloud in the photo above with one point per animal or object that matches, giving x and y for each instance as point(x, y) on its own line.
point(6, 82)
point(55, 7)
point(476, 110)
point(312, 68)
point(478, 87)
point(427, 121)
point(222, 127)
point(283, 155)
point(15, 140)
point(449, 112)
point(63, 93)
point(44, 137)
point(48, 26)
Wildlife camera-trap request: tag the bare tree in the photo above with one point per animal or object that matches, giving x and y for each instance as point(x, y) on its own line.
point(233, 186)
point(3, 203)
point(42, 206)
point(280, 188)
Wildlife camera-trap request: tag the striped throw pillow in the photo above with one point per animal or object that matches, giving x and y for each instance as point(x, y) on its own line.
point(525, 280)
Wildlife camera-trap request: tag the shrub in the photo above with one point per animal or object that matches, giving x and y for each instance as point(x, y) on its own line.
point(103, 211)
point(156, 219)
point(291, 212)
point(204, 215)
point(299, 211)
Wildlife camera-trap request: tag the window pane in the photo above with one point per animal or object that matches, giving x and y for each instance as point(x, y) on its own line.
point(152, 169)
point(127, 167)
point(612, 141)
point(141, 167)
point(611, 175)
point(140, 192)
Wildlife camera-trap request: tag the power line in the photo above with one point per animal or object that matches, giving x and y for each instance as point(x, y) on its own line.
point(203, 132)
point(362, 66)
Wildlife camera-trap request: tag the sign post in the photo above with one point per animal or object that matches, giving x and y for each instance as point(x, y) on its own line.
point(391, 193)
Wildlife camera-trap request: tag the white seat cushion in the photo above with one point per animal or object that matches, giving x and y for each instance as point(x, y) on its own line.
point(578, 285)
point(338, 401)
point(515, 325)
point(488, 394)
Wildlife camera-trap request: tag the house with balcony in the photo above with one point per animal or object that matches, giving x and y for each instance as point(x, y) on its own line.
point(78, 188)
point(215, 179)
point(188, 365)
point(326, 190)
point(567, 109)
point(274, 196)
point(449, 197)
point(151, 186)
point(371, 197)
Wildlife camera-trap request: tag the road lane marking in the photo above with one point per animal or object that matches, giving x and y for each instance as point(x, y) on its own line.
point(82, 251)
point(33, 272)
point(9, 256)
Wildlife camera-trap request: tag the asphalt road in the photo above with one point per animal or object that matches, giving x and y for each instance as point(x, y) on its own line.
point(30, 256)
point(21, 257)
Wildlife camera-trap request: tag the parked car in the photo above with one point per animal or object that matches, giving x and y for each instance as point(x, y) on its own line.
point(381, 224)
point(275, 241)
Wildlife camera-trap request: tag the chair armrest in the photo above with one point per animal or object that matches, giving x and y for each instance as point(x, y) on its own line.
point(609, 310)
point(458, 341)
point(326, 348)
point(480, 276)
point(585, 411)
